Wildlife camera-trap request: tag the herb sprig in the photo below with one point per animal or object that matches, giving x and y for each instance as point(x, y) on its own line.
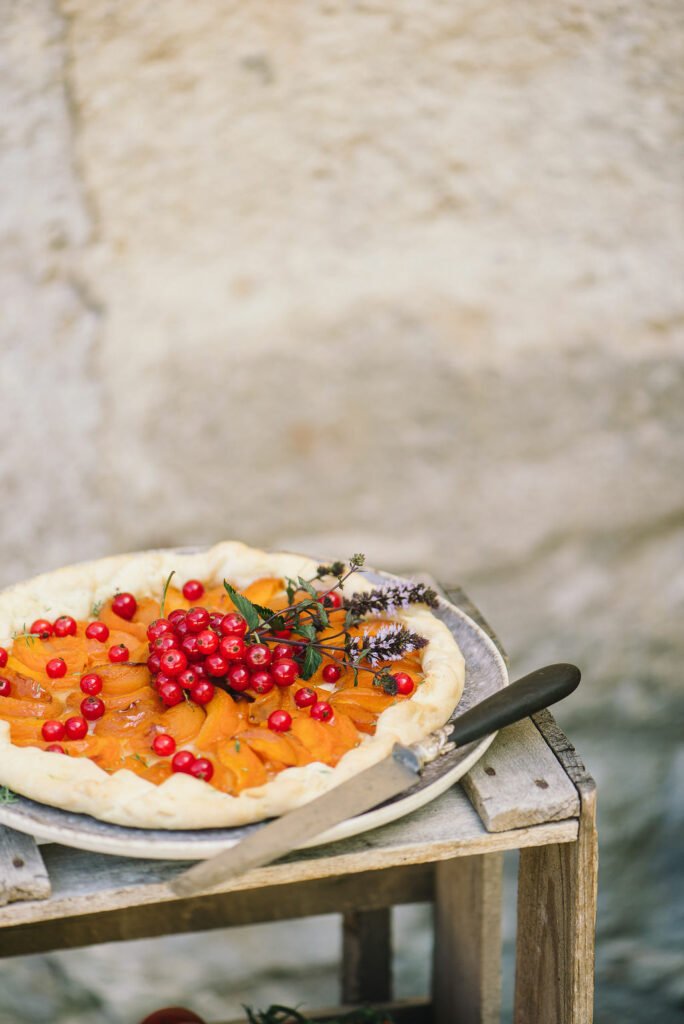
point(308, 615)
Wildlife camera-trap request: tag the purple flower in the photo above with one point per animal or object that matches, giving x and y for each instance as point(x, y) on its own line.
point(390, 643)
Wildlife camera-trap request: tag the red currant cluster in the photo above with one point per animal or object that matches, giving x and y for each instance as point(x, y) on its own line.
point(195, 650)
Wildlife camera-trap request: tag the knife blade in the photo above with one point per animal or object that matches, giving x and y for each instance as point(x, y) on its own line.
point(378, 783)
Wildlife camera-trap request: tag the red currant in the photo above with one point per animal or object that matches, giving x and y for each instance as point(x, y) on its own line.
point(207, 641)
point(183, 761)
point(239, 676)
point(177, 615)
point(305, 697)
point(258, 656)
point(331, 673)
point(56, 668)
point(215, 620)
point(91, 684)
point(97, 631)
point(5, 687)
point(92, 708)
point(262, 682)
point(193, 590)
point(160, 627)
point(282, 651)
point(42, 628)
point(191, 648)
point(233, 624)
point(199, 668)
point(53, 730)
point(56, 748)
point(181, 628)
point(154, 663)
point(232, 648)
point(118, 653)
point(405, 684)
point(173, 662)
point(125, 606)
point(163, 745)
point(3, 657)
point(282, 634)
point(166, 642)
point(202, 768)
point(75, 728)
point(64, 626)
point(279, 721)
point(322, 711)
point(188, 677)
point(285, 671)
point(216, 665)
point(332, 600)
point(202, 692)
point(162, 678)
point(197, 619)
point(170, 692)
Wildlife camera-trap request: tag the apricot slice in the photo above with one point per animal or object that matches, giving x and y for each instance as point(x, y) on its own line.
point(243, 762)
point(222, 721)
point(183, 722)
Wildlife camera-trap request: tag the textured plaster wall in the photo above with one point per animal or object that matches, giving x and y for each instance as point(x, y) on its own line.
point(398, 277)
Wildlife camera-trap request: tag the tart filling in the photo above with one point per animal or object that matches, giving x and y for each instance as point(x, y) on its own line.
point(205, 712)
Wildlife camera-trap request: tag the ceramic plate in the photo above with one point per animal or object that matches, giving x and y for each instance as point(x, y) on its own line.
point(485, 673)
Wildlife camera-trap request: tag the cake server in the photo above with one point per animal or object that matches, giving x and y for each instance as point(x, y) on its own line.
point(391, 776)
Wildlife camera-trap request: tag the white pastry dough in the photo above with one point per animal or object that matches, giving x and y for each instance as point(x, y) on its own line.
point(183, 802)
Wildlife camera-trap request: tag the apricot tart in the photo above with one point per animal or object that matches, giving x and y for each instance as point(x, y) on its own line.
point(174, 690)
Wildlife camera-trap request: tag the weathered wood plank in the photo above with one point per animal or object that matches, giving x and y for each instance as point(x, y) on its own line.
point(22, 872)
point(557, 892)
point(85, 883)
point(365, 891)
point(467, 943)
point(519, 782)
point(367, 956)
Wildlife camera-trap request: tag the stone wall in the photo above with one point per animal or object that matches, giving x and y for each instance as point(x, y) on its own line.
point(402, 278)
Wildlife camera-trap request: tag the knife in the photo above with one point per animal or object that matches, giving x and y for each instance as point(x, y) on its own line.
point(397, 772)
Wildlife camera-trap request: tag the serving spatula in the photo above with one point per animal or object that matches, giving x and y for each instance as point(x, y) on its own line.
point(391, 776)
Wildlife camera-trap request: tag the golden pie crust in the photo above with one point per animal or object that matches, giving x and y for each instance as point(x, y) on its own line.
point(181, 801)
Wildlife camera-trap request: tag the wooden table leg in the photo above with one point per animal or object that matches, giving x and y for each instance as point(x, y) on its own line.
point(554, 970)
point(367, 956)
point(467, 953)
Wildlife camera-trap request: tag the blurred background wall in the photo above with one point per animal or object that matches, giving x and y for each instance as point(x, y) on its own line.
point(403, 278)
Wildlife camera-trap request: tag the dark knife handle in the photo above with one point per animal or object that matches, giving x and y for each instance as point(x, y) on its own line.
point(531, 693)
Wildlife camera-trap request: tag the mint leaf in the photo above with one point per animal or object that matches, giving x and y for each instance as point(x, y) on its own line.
point(248, 611)
point(322, 615)
point(305, 629)
point(305, 585)
point(312, 659)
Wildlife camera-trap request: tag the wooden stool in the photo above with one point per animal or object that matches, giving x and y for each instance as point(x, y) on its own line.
point(530, 792)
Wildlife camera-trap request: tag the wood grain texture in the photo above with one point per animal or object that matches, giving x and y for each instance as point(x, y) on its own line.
point(346, 894)
point(467, 942)
point(557, 892)
point(84, 883)
point(519, 781)
point(23, 875)
point(367, 956)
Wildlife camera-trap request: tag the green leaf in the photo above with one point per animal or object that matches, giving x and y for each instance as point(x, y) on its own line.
point(322, 614)
point(312, 659)
point(7, 796)
point(290, 588)
point(248, 611)
point(305, 585)
point(305, 629)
